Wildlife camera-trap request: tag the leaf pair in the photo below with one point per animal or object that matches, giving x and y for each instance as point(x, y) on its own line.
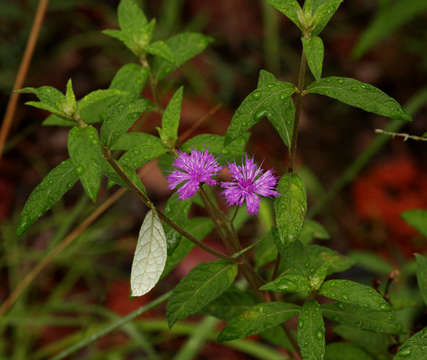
point(313, 18)
point(304, 268)
point(136, 32)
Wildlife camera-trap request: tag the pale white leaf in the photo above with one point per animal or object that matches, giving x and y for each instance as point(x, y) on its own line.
point(150, 256)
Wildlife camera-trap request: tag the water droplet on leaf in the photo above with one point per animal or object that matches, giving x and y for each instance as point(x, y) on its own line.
point(260, 114)
point(405, 352)
point(256, 95)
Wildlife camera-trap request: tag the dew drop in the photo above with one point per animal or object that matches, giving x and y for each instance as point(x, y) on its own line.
point(363, 86)
point(300, 324)
point(319, 334)
point(405, 352)
point(384, 307)
point(341, 81)
point(260, 114)
point(256, 95)
point(283, 97)
point(345, 297)
point(341, 306)
point(354, 88)
point(79, 170)
point(270, 86)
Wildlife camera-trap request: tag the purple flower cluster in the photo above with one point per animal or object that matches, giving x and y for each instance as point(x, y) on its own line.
point(248, 181)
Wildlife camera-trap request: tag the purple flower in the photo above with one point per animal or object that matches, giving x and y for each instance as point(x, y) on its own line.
point(248, 182)
point(197, 167)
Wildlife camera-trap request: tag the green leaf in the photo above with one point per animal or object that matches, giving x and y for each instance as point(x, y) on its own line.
point(347, 351)
point(312, 263)
point(56, 183)
point(161, 49)
point(125, 38)
point(202, 285)
point(272, 99)
point(136, 31)
point(311, 331)
point(290, 208)
point(131, 17)
point(131, 79)
point(183, 46)
point(170, 119)
point(86, 155)
point(257, 319)
point(50, 98)
point(336, 262)
point(354, 293)
point(414, 348)
point(231, 304)
point(358, 94)
point(422, 275)
point(70, 103)
point(312, 230)
point(289, 282)
point(215, 144)
point(372, 342)
point(323, 13)
point(371, 262)
point(150, 255)
point(119, 117)
point(266, 251)
point(132, 140)
point(356, 316)
point(314, 51)
point(389, 19)
point(148, 149)
point(97, 96)
point(416, 218)
point(55, 120)
point(177, 210)
point(199, 227)
point(289, 8)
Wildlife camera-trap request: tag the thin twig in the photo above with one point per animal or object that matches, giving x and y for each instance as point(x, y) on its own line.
point(55, 251)
point(199, 122)
point(162, 216)
point(22, 72)
point(403, 135)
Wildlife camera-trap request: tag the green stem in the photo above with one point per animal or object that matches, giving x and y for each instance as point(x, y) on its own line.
point(162, 216)
point(113, 326)
point(153, 84)
point(298, 107)
point(196, 341)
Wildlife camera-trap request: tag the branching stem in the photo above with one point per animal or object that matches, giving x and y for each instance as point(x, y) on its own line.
point(162, 216)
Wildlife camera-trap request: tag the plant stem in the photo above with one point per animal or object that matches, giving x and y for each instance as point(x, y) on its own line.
point(162, 216)
point(403, 135)
point(153, 84)
point(22, 72)
point(298, 106)
point(115, 325)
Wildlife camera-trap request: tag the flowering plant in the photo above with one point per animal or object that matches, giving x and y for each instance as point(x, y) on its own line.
point(277, 285)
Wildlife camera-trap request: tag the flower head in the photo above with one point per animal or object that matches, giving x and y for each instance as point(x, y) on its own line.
point(193, 169)
point(248, 181)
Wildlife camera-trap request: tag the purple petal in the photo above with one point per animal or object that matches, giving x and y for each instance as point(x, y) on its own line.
point(252, 204)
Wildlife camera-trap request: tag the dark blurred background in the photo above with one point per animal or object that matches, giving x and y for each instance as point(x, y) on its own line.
point(248, 36)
